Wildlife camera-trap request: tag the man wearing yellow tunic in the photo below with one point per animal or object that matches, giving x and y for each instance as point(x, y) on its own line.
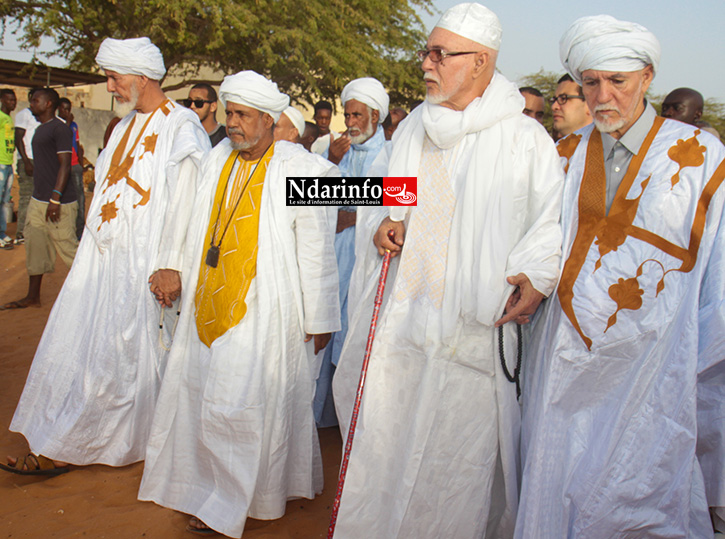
point(233, 434)
point(91, 391)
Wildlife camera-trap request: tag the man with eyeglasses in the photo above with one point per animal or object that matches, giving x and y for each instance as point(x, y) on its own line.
point(569, 110)
point(436, 452)
point(624, 400)
point(203, 101)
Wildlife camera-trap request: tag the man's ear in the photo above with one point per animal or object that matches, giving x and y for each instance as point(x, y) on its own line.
point(375, 116)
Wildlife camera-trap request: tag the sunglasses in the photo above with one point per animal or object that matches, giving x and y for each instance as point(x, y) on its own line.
point(198, 103)
point(438, 55)
point(563, 98)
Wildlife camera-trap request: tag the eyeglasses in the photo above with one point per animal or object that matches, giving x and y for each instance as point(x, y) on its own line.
point(198, 103)
point(438, 55)
point(563, 98)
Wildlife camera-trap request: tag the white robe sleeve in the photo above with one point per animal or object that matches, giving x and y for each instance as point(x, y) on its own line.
point(181, 180)
point(538, 253)
point(318, 270)
point(711, 368)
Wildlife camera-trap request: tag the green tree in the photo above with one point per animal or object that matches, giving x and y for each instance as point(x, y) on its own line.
point(311, 48)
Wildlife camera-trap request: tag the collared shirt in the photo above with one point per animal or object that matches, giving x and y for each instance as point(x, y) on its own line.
point(619, 153)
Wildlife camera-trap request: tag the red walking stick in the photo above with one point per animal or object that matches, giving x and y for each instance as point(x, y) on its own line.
point(360, 388)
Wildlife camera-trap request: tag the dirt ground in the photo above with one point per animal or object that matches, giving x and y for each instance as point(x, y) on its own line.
point(100, 501)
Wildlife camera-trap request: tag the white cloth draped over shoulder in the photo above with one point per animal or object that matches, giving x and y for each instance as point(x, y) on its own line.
point(91, 390)
point(233, 434)
point(623, 411)
point(436, 450)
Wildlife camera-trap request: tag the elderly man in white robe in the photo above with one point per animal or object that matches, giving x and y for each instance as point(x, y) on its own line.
point(92, 387)
point(623, 405)
point(234, 435)
point(435, 453)
point(366, 107)
point(290, 126)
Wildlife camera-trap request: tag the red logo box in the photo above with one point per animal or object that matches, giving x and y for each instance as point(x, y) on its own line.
point(400, 191)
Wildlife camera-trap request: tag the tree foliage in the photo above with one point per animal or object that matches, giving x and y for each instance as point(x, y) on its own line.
point(311, 48)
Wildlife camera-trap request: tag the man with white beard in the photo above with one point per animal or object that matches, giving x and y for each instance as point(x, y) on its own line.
point(436, 449)
point(366, 106)
point(92, 387)
point(233, 434)
point(624, 420)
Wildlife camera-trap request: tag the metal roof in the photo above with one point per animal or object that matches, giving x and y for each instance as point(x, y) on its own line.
point(31, 75)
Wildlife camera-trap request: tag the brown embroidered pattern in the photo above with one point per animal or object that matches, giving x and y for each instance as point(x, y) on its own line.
point(108, 211)
point(610, 232)
point(566, 148)
point(686, 153)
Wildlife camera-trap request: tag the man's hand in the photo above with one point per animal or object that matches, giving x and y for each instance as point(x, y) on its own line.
point(165, 285)
point(382, 241)
point(345, 219)
point(338, 148)
point(52, 214)
point(321, 340)
point(523, 301)
point(28, 164)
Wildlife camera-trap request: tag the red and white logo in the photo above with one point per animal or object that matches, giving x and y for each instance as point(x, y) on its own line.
point(400, 191)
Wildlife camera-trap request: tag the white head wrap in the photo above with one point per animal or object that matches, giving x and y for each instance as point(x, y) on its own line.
point(136, 56)
point(475, 22)
point(253, 90)
point(295, 116)
point(604, 43)
point(369, 91)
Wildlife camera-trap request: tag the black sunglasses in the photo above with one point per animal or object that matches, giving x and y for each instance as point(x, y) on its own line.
point(198, 103)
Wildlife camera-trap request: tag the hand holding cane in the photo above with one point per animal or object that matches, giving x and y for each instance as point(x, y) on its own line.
point(360, 388)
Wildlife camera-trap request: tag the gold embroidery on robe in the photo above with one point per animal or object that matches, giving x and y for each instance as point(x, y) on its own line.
point(221, 291)
point(686, 153)
point(613, 230)
point(567, 147)
point(120, 167)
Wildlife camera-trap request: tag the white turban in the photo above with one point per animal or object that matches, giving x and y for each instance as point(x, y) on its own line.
point(605, 44)
point(136, 56)
point(253, 90)
point(295, 116)
point(475, 22)
point(370, 92)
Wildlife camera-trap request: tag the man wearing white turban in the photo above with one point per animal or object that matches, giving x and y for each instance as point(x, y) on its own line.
point(366, 107)
point(436, 449)
point(290, 127)
point(93, 384)
point(624, 419)
point(233, 434)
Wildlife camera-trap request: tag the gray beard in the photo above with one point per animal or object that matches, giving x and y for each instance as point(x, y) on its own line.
point(124, 109)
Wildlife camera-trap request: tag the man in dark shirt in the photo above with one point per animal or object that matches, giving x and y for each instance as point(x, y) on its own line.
point(76, 163)
point(203, 101)
point(50, 223)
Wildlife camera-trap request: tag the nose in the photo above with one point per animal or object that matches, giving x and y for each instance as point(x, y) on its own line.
point(555, 106)
point(110, 85)
point(427, 64)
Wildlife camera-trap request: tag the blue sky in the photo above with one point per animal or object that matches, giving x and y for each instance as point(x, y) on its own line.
point(692, 35)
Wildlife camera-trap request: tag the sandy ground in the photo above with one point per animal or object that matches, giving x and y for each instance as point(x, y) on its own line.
point(100, 501)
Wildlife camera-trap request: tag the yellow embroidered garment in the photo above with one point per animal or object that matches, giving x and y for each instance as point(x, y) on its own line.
point(221, 291)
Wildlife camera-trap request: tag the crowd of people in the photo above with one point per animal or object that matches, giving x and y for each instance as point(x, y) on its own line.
point(208, 328)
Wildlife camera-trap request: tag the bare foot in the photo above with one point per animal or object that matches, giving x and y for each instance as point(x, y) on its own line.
point(21, 304)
